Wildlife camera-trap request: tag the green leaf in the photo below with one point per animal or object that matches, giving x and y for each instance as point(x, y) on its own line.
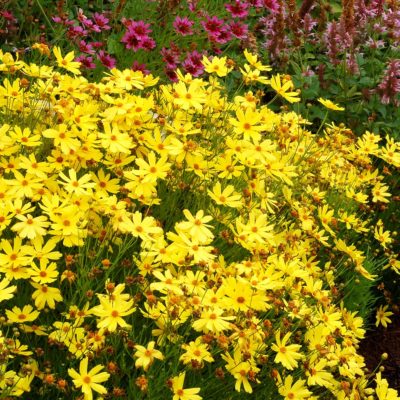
point(114, 46)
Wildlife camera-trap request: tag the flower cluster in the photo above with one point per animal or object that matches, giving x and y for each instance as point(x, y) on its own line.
point(84, 32)
point(179, 241)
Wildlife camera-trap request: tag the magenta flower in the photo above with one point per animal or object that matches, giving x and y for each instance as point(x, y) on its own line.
point(183, 26)
point(212, 25)
point(192, 68)
point(140, 67)
point(108, 61)
point(195, 58)
point(237, 9)
point(8, 16)
point(222, 37)
point(131, 41)
point(101, 21)
point(81, 17)
point(97, 45)
point(85, 47)
point(76, 32)
point(86, 61)
point(139, 28)
point(88, 23)
point(148, 44)
point(137, 36)
point(192, 5)
point(170, 56)
point(193, 64)
point(273, 5)
point(171, 75)
point(239, 30)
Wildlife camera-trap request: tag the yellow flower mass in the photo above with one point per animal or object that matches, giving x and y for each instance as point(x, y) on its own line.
point(184, 240)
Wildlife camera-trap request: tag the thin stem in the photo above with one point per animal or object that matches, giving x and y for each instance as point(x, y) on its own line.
point(45, 15)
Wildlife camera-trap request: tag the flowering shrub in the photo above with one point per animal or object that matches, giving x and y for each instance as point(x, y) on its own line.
point(178, 241)
point(346, 53)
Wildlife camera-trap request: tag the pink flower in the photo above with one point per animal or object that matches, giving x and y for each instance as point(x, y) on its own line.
point(76, 31)
point(148, 44)
point(183, 26)
point(171, 75)
point(239, 30)
point(8, 16)
point(389, 88)
point(222, 37)
point(97, 45)
point(86, 61)
point(140, 67)
point(191, 68)
point(212, 25)
point(237, 9)
point(193, 64)
point(86, 47)
point(101, 21)
point(137, 36)
point(108, 61)
point(81, 17)
point(195, 57)
point(138, 28)
point(170, 56)
point(273, 5)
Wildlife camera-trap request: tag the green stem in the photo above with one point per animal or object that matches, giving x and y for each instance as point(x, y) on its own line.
point(45, 15)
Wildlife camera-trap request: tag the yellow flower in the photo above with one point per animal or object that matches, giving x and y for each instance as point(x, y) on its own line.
point(330, 105)
point(282, 87)
point(66, 61)
point(47, 273)
point(216, 65)
point(183, 394)
point(197, 352)
point(89, 381)
point(27, 314)
point(46, 295)
point(248, 124)
point(145, 356)
point(6, 291)
point(153, 169)
point(296, 391)
point(227, 197)
point(212, 320)
point(188, 96)
point(196, 226)
point(42, 48)
point(72, 184)
point(287, 355)
point(31, 227)
point(252, 59)
point(382, 236)
point(382, 316)
point(240, 370)
point(111, 313)
point(383, 391)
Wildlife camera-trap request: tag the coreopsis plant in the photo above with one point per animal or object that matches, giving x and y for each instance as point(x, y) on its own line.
point(177, 241)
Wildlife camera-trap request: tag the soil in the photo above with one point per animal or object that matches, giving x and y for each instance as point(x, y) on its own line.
point(384, 340)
